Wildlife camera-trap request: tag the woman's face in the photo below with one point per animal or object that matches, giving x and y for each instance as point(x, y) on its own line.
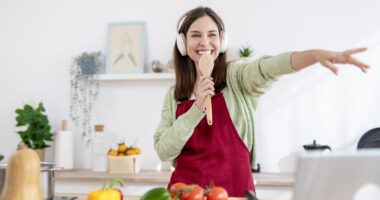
point(203, 38)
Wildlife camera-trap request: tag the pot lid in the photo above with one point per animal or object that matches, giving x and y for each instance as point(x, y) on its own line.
point(371, 139)
point(314, 145)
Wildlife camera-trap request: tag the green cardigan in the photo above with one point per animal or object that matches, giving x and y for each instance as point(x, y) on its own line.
point(246, 82)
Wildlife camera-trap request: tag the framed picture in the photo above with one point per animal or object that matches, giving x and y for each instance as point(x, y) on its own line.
point(126, 47)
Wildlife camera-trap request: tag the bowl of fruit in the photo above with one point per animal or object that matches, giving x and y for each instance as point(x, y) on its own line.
point(124, 160)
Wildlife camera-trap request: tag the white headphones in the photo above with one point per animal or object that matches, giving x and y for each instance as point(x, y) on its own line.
point(181, 40)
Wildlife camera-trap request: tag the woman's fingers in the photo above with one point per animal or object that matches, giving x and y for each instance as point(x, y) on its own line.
point(351, 60)
point(205, 83)
point(329, 65)
point(329, 59)
point(349, 52)
point(358, 63)
point(204, 87)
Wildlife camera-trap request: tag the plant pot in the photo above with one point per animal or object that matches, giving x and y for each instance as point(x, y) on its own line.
point(41, 154)
point(245, 59)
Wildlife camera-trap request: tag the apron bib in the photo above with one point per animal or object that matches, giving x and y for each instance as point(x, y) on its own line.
point(214, 154)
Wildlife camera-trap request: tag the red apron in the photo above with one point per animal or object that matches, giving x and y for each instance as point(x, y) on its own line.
point(214, 153)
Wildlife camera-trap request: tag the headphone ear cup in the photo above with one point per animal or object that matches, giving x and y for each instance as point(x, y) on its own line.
point(223, 41)
point(181, 44)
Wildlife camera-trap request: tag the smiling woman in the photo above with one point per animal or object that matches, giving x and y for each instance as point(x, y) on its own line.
point(222, 152)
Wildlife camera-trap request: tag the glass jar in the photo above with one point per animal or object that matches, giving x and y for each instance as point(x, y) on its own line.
point(99, 147)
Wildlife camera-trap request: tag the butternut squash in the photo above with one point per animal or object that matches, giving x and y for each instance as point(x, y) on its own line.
point(22, 179)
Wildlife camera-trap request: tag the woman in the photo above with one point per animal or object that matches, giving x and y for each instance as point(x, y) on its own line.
point(224, 152)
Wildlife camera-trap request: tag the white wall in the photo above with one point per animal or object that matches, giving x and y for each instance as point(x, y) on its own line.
point(38, 40)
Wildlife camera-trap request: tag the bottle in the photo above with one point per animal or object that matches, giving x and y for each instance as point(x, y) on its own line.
point(99, 149)
point(64, 148)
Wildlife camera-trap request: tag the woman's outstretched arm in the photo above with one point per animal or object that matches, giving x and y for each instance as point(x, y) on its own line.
point(328, 59)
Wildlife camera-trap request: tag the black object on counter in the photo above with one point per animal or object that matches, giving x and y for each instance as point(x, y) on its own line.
point(371, 139)
point(315, 146)
point(257, 169)
point(250, 195)
point(65, 198)
point(1, 157)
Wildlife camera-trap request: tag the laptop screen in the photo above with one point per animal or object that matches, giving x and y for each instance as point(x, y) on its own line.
point(338, 175)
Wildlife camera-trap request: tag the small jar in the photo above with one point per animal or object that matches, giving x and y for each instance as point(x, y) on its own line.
point(100, 147)
point(157, 66)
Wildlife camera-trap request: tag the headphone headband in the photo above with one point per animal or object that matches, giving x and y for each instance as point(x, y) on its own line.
point(181, 22)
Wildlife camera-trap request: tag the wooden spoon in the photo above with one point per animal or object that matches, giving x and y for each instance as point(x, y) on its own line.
point(206, 65)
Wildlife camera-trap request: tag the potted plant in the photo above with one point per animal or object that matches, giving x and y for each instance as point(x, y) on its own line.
point(84, 90)
point(246, 52)
point(37, 128)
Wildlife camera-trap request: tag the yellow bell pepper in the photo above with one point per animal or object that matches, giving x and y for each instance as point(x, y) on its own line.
point(108, 192)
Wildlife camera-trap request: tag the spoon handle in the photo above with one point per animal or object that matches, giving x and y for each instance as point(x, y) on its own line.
point(208, 110)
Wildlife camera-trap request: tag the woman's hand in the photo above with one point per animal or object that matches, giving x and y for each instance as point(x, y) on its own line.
point(328, 59)
point(203, 87)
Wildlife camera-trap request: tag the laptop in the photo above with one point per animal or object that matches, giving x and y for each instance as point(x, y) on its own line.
point(338, 176)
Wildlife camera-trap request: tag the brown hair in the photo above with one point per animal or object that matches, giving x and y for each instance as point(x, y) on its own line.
point(185, 69)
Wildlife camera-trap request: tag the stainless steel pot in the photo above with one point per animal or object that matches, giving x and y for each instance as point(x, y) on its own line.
point(47, 179)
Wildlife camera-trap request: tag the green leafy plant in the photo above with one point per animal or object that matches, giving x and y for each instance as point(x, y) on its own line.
point(246, 51)
point(1, 157)
point(89, 63)
point(37, 126)
point(84, 90)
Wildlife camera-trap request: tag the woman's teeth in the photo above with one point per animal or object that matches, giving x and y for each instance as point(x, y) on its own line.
point(204, 52)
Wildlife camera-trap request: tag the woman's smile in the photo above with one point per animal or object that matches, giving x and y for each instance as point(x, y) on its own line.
point(203, 38)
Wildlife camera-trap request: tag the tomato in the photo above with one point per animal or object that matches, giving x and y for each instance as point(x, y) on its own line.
point(217, 193)
point(175, 189)
point(192, 192)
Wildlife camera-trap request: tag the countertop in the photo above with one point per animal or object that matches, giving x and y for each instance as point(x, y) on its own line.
point(84, 197)
point(261, 179)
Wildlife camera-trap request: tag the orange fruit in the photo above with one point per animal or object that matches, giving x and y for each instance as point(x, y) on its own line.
point(122, 147)
point(137, 150)
point(130, 152)
point(112, 152)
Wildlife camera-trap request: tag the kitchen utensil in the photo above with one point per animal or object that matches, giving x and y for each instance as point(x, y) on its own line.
point(250, 195)
point(314, 146)
point(65, 198)
point(371, 139)
point(206, 65)
point(47, 178)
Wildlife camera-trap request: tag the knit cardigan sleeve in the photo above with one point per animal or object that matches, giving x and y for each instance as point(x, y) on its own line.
point(257, 76)
point(172, 134)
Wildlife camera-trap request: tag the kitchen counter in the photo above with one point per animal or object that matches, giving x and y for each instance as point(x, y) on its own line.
point(84, 197)
point(269, 185)
point(261, 179)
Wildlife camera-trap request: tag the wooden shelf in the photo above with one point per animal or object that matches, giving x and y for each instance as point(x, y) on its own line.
point(138, 76)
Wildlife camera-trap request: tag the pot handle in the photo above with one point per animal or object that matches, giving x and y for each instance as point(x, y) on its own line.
point(52, 169)
point(47, 164)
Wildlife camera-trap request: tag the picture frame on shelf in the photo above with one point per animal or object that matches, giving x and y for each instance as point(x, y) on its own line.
point(126, 47)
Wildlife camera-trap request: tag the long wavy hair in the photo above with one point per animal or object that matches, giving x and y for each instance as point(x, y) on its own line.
point(185, 69)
